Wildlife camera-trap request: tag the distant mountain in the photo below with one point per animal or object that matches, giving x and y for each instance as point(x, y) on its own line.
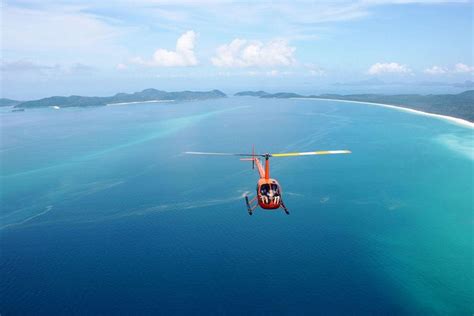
point(251, 93)
point(282, 95)
point(263, 94)
point(457, 105)
point(143, 96)
point(468, 84)
point(8, 102)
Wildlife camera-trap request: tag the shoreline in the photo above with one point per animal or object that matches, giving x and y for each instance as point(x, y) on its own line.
point(135, 102)
point(451, 119)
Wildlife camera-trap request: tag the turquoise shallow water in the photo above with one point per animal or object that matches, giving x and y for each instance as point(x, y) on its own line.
point(102, 213)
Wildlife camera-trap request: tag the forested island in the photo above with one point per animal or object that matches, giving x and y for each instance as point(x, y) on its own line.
point(146, 95)
point(8, 102)
point(456, 105)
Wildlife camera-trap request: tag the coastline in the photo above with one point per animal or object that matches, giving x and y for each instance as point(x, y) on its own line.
point(135, 102)
point(451, 119)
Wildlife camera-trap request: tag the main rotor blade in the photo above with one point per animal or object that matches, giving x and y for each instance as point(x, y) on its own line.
point(309, 153)
point(223, 154)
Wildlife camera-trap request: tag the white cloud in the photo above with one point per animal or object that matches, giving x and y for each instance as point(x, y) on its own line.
point(28, 67)
point(314, 70)
point(458, 68)
point(380, 68)
point(463, 68)
point(287, 18)
point(244, 53)
point(57, 30)
point(273, 73)
point(384, 2)
point(436, 70)
point(252, 73)
point(181, 57)
point(25, 66)
point(105, 33)
point(121, 66)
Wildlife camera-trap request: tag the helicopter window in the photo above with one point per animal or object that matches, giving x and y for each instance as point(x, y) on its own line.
point(264, 189)
point(275, 189)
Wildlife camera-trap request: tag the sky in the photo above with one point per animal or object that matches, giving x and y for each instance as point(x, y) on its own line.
point(67, 47)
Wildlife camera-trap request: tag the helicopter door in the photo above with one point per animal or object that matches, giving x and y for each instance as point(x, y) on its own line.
point(270, 193)
point(275, 193)
point(265, 193)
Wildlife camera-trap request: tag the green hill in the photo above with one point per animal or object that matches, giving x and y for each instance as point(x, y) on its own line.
point(457, 105)
point(142, 96)
point(8, 102)
point(251, 93)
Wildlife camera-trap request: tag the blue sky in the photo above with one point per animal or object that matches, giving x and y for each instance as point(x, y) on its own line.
point(102, 47)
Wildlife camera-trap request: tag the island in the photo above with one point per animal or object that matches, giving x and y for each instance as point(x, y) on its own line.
point(147, 95)
point(8, 102)
point(251, 93)
point(459, 105)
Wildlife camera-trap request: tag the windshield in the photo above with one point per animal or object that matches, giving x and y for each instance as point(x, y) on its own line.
point(267, 189)
point(275, 188)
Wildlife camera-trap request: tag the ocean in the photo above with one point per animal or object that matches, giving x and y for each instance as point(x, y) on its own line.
point(102, 213)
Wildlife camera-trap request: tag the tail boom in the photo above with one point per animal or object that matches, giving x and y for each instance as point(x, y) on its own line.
point(256, 161)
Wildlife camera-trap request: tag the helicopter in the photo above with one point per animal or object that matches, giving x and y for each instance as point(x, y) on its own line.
point(269, 193)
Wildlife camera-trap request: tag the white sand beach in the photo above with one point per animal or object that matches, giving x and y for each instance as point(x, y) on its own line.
point(451, 119)
point(135, 102)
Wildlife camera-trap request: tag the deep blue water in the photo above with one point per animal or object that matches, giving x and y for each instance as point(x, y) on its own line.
point(101, 212)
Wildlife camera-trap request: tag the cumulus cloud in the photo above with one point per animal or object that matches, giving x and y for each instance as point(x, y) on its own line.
point(458, 68)
point(380, 68)
point(244, 53)
point(181, 57)
point(436, 70)
point(463, 68)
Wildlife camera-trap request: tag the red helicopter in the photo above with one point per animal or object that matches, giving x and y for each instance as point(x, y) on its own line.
point(269, 193)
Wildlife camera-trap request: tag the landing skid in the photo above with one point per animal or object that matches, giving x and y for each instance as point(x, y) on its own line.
point(250, 208)
point(283, 206)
